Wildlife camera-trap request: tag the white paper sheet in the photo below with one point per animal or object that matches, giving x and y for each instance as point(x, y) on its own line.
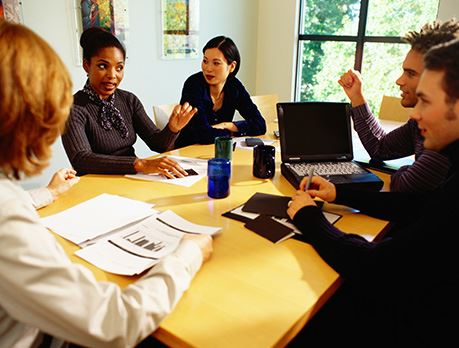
point(239, 211)
point(127, 253)
point(197, 164)
point(110, 258)
point(97, 216)
point(179, 223)
point(331, 217)
point(149, 238)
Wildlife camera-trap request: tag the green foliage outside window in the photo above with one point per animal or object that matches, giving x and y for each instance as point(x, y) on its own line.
point(323, 62)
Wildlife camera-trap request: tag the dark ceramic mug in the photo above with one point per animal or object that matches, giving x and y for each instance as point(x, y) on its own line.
point(264, 161)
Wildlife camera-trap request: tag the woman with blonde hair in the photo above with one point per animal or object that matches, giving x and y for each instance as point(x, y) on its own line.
point(41, 290)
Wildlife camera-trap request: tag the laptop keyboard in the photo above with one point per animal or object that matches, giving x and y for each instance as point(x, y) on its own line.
point(326, 168)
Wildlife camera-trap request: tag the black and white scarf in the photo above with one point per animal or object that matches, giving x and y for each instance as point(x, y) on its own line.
point(109, 115)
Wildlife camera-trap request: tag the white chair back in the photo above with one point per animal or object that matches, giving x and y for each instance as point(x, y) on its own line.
point(162, 114)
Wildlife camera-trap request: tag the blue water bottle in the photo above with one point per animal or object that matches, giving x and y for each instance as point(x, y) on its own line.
point(218, 177)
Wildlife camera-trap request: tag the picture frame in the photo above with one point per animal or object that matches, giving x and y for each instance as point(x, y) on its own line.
point(11, 10)
point(180, 29)
point(112, 15)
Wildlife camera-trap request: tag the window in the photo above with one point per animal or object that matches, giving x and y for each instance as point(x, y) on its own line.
point(366, 35)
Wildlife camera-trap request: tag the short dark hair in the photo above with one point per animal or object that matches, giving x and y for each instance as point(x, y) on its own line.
point(432, 34)
point(445, 57)
point(228, 48)
point(94, 39)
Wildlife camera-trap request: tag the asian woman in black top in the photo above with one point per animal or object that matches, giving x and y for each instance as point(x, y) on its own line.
point(217, 94)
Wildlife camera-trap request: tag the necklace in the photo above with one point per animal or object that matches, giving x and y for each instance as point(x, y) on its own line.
point(218, 98)
point(218, 101)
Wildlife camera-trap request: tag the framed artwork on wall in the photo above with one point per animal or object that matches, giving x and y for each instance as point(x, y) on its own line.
point(180, 29)
point(11, 10)
point(111, 15)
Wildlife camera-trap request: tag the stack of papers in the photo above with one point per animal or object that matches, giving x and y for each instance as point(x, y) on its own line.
point(266, 215)
point(121, 235)
point(97, 216)
point(139, 247)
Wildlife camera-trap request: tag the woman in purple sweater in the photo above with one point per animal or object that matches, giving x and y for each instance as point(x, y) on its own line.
point(104, 121)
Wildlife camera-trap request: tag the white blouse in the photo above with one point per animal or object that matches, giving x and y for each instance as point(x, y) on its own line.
point(41, 290)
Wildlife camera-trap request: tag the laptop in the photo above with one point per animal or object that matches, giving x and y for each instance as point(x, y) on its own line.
point(319, 134)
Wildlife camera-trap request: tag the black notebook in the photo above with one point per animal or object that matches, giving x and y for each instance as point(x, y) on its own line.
point(265, 214)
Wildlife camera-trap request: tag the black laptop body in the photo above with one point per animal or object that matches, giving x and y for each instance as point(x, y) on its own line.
point(320, 132)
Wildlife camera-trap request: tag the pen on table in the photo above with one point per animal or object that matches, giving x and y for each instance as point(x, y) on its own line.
point(310, 175)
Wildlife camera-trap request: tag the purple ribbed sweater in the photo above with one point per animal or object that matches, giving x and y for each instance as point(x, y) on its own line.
point(429, 169)
point(92, 149)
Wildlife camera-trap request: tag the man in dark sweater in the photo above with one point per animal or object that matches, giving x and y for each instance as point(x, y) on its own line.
point(404, 289)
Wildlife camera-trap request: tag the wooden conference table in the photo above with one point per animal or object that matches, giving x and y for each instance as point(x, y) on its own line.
point(251, 293)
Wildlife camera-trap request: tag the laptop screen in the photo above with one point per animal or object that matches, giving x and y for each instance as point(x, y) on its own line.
point(314, 131)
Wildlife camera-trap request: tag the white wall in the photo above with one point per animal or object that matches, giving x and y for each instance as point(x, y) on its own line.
point(152, 79)
point(276, 50)
point(448, 9)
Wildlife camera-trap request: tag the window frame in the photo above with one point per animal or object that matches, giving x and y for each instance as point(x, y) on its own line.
point(360, 39)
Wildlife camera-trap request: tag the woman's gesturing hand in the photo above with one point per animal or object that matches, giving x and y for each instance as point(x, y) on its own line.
point(180, 117)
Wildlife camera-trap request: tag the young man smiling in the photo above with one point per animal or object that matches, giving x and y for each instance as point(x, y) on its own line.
point(402, 290)
point(430, 168)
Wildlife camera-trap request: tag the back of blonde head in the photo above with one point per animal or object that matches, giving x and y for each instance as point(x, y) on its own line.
point(35, 100)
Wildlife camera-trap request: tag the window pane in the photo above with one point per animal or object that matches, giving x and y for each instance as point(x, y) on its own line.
point(325, 17)
point(322, 63)
point(382, 66)
point(396, 17)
